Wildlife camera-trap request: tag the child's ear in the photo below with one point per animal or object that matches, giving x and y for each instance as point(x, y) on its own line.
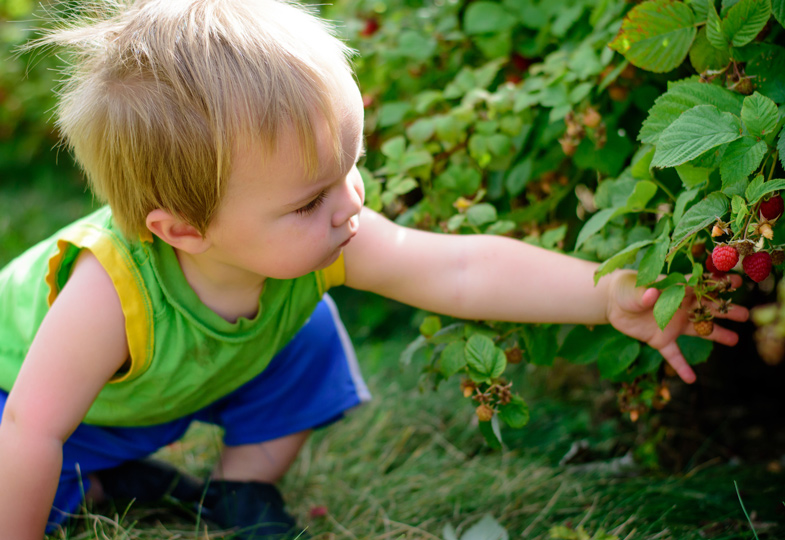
point(176, 232)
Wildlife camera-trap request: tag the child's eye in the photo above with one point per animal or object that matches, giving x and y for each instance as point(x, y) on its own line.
point(313, 205)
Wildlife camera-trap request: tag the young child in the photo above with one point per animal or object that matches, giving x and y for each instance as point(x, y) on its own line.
point(224, 137)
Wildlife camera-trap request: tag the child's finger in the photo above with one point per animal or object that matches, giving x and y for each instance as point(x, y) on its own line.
point(649, 298)
point(673, 356)
point(735, 313)
point(720, 335)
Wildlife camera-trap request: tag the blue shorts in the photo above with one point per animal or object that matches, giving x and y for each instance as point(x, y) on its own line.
point(309, 384)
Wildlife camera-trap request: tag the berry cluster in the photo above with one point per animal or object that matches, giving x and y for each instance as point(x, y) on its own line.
point(588, 122)
point(754, 249)
point(489, 397)
point(636, 397)
point(756, 261)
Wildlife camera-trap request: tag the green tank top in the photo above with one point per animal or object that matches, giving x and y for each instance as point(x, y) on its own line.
point(182, 355)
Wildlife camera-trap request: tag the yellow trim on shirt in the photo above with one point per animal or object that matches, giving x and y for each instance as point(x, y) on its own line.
point(135, 301)
point(332, 276)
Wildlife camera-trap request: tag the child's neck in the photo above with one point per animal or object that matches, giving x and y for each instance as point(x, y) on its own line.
point(230, 293)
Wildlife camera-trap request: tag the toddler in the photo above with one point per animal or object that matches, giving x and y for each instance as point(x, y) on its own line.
point(223, 136)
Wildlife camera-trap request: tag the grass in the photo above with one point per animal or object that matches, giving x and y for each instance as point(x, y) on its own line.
point(411, 463)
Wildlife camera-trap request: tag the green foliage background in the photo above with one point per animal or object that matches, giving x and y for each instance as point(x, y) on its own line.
point(615, 132)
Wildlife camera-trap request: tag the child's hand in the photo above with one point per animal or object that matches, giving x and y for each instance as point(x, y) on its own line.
point(630, 311)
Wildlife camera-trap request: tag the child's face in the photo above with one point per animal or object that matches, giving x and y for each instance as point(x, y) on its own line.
point(276, 221)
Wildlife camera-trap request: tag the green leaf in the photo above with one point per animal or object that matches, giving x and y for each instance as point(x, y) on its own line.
point(594, 225)
point(684, 198)
point(614, 193)
point(705, 56)
point(415, 158)
point(416, 45)
point(452, 359)
point(430, 325)
point(693, 133)
point(700, 7)
point(394, 148)
point(654, 259)
point(778, 10)
point(515, 413)
point(617, 355)
point(496, 45)
point(695, 350)
point(714, 32)
point(451, 332)
point(485, 74)
point(392, 113)
point(408, 353)
point(745, 20)
point(692, 176)
point(500, 145)
point(766, 69)
point(739, 211)
point(707, 211)
point(759, 114)
point(781, 147)
point(540, 343)
point(492, 433)
point(758, 188)
point(682, 96)
point(622, 258)
point(373, 190)
point(741, 158)
point(487, 18)
point(648, 362)
point(668, 304)
point(421, 130)
point(582, 343)
point(455, 222)
point(656, 35)
point(667, 281)
point(482, 213)
point(641, 163)
point(519, 176)
point(400, 185)
point(484, 357)
point(639, 198)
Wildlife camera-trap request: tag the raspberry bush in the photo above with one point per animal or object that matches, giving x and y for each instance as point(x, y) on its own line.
point(645, 136)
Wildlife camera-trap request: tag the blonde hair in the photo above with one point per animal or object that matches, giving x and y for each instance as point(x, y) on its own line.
point(158, 92)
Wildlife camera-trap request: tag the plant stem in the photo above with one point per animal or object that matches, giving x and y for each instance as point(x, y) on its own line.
point(773, 164)
point(663, 188)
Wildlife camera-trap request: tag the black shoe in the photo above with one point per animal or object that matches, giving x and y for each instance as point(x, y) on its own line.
point(149, 480)
point(254, 509)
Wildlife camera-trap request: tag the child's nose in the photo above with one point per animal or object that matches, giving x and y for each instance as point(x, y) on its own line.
point(352, 196)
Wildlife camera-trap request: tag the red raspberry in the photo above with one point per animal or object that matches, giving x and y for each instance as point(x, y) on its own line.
point(724, 257)
point(772, 208)
point(757, 266)
point(318, 512)
point(713, 269)
point(370, 28)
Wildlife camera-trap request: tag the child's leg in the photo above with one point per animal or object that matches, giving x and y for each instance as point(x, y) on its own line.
point(309, 384)
point(261, 462)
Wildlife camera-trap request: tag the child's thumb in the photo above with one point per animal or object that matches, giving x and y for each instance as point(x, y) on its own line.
point(648, 297)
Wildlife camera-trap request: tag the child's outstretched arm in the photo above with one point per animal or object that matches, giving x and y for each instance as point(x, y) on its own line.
point(79, 346)
point(497, 278)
